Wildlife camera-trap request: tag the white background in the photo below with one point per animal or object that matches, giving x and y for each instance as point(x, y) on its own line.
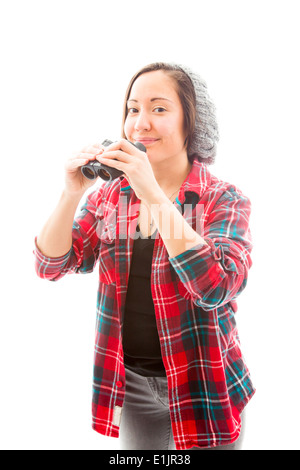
point(65, 67)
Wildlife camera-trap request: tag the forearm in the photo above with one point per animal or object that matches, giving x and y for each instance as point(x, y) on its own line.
point(177, 234)
point(55, 239)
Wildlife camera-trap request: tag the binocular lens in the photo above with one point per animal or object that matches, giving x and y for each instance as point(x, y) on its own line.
point(89, 172)
point(104, 174)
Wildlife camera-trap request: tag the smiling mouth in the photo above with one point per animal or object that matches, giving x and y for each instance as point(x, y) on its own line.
point(147, 141)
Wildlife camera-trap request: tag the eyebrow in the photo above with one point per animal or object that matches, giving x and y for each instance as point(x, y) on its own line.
point(152, 99)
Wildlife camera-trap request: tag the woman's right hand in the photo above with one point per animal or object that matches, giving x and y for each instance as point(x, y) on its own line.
point(75, 182)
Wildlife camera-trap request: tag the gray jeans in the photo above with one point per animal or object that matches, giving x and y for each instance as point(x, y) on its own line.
point(145, 422)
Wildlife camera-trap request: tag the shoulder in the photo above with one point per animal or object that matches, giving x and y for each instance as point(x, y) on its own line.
point(222, 191)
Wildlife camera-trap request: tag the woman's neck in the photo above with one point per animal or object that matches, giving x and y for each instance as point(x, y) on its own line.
point(171, 176)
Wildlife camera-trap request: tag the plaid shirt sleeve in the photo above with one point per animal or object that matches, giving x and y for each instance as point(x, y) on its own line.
point(216, 273)
point(84, 253)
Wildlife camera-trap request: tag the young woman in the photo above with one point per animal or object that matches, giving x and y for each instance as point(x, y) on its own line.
point(173, 246)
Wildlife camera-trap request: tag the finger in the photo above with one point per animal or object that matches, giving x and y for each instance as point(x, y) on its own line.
point(90, 156)
point(98, 148)
point(76, 163)
point(119, 165)
point(124, 145)
point(121, 156)
point(95, 148)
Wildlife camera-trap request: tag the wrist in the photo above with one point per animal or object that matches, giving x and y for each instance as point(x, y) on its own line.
point(71, 198)
point(156, 197)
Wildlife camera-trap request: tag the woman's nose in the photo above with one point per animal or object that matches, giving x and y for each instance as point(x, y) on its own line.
point(142, 122)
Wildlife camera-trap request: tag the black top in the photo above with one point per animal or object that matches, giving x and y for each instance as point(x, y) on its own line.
point(142, 353)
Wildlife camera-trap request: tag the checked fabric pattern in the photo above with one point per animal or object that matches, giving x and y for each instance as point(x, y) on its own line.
point(194, 296)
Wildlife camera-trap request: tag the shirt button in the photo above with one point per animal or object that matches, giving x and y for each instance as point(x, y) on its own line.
point(119, 384)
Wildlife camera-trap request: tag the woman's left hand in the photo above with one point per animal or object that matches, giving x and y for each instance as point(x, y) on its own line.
point(135, 164)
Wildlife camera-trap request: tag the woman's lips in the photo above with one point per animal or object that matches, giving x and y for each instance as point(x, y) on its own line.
point(146, 141)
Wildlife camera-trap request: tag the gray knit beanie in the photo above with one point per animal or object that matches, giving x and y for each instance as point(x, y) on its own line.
point(206, 135)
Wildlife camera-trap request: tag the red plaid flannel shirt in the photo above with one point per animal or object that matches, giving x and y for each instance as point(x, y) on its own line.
point(194, 296)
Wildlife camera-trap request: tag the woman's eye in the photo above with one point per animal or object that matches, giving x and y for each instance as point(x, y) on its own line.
point(132, 110)
point(159, 109)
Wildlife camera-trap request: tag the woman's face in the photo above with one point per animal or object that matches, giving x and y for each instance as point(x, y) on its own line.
point(155, 117)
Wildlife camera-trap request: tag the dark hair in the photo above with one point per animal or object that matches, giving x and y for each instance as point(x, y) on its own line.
point(184, 88)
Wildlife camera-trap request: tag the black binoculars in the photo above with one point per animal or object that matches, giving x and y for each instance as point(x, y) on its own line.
point(94, 168)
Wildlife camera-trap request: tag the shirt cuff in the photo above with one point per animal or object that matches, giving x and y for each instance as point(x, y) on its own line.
point(200, 268)
point(46, 266)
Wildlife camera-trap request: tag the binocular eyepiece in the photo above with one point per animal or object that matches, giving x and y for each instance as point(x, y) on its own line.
point(94, 168)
